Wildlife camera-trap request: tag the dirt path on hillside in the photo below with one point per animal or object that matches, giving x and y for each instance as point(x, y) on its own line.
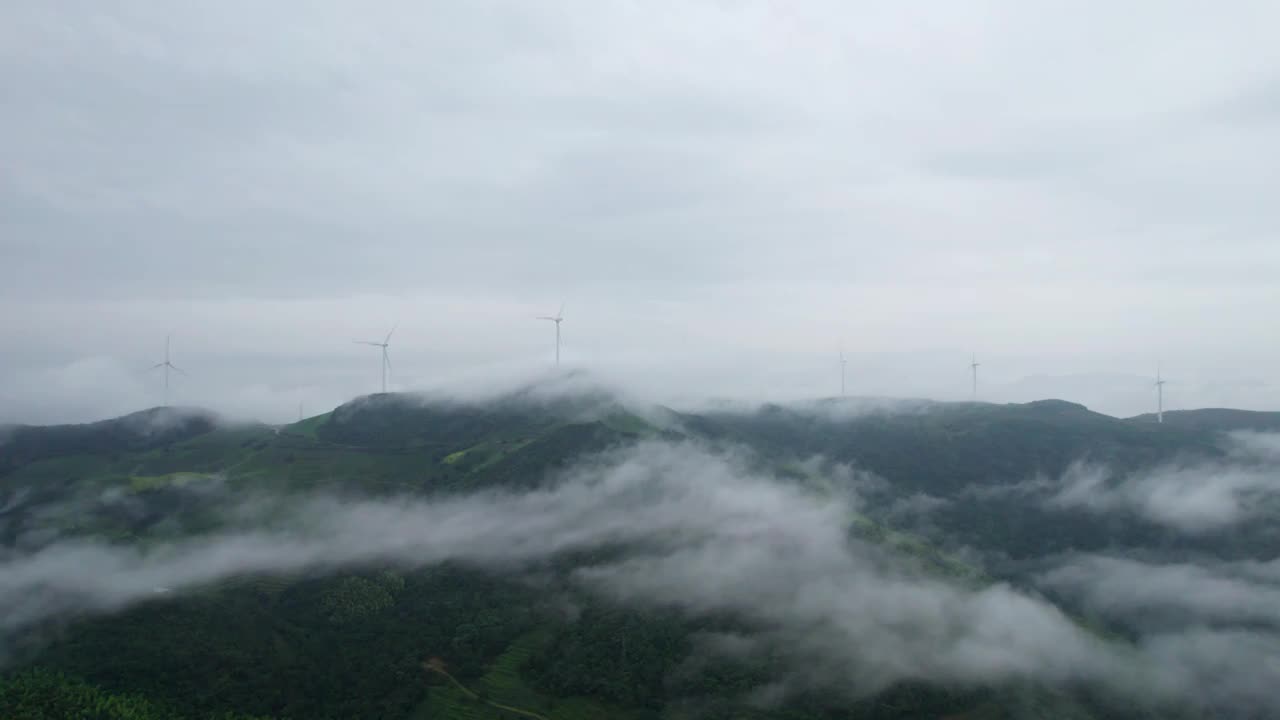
point(436, 665)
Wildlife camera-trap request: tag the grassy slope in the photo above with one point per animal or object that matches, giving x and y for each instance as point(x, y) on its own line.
point(503, 685)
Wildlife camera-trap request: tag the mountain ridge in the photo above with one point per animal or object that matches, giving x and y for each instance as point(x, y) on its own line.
point(174, 485)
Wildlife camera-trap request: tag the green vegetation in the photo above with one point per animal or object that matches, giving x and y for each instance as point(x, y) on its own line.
point(307, 427)
point(930, 558)
point(1215, 420)
point(630, 424)
point(141, 483)
point(352, 645)
point(43, 695)
point(503, 693)
point(356, 598)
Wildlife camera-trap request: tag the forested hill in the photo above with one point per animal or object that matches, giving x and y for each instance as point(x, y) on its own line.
point(351, 641)
point(22, 444)
point(940, 447)
point(1216, 420)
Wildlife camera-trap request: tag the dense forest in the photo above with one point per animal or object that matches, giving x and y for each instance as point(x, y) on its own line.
point(453, 641)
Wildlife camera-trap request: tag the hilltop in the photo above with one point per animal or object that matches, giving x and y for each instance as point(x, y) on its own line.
point(350, 643)
point(1216, 419)
point(22, 444)
point(396, 443)
point(940, 446)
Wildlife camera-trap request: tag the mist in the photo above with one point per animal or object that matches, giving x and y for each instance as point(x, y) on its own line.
point(1158, 594)
point(1192, 495)
point(703, 533)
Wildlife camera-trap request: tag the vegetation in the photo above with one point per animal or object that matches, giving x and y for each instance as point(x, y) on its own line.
point(1216, 420)
point(44, 695)
point(354, 645)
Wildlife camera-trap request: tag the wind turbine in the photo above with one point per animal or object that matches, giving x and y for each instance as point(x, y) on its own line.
point(844, 362)
point(167, 367)
point(973, 366)
point(1159, 396)
point(557, 319)
point(386, 359)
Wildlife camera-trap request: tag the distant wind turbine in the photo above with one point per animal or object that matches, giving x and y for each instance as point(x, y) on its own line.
point(557, 319)
point(167, 367)
point(1159, 396)
point(386, 358)
point(843, 363)
point(973, 366)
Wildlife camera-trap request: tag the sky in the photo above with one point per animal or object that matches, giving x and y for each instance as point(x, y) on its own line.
point(723, 195)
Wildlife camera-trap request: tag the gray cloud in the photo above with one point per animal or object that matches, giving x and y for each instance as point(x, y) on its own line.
point(1195, 620)
point(1198, 496)
point(706, 535)
point(1165, 593)
point(1195, 495)
point(710, 186)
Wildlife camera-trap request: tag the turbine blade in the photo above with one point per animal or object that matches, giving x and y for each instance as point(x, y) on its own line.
point(177, 369)
point(366, 342)
point(157, 365)
point(386, 358)
point(544, 317)
point(560, 312)
point(393, 329)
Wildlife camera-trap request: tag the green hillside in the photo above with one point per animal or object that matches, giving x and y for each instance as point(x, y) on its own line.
point(353, 644)
point(1215, 420)
point(23, 444)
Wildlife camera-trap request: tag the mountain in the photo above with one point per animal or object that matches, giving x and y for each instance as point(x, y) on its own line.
point(23, 444)
point(941, 447)
point(455, 640)
point(1215, 420)
point(974, 465)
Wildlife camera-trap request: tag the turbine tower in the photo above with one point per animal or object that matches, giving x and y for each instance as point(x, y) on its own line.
point(557, 319)
point(386, 358)
point(167, 367)
point(1159, 397)
point(973, 367)
point(844, 362)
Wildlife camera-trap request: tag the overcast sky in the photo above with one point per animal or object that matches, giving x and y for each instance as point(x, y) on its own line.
point(722, 194)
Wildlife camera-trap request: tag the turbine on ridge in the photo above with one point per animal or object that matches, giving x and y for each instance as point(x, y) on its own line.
point(167, 367)
point(557, 319)
point(844, 362)
point(386, 358)
point(1159, 396)
point(973, 367)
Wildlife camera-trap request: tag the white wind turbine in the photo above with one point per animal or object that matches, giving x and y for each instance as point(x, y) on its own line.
point(167, 367)
point(386, 358)
point(844, 362)
point(557, 319)
point(973, 367)
point(1159, 396)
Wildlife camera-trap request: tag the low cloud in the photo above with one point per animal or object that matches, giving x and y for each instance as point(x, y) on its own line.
point(1213, 628)
point(1155, 594)
point(1193, 496)
point(704, 534)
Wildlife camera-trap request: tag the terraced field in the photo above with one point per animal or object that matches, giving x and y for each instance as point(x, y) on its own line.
point(502, 684)
point(486, 454)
